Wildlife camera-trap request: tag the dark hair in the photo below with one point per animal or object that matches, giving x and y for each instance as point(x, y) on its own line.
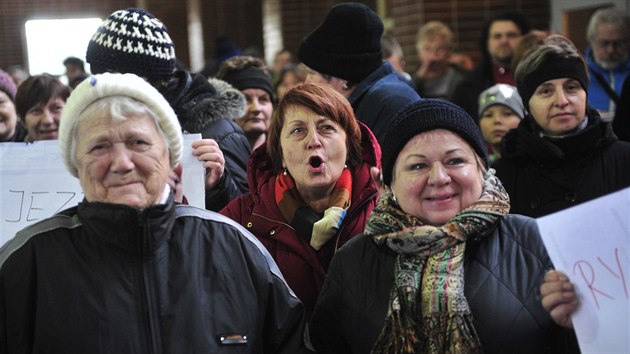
point(239, 63)
point(38, 89)
point(74, 62)
point(325, 101)
point(517, 17)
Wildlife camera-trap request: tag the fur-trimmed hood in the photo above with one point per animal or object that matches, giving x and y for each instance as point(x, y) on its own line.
point(198, 102)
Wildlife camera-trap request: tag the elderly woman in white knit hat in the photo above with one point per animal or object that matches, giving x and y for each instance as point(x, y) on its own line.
point(128, 270)
point(500, 110)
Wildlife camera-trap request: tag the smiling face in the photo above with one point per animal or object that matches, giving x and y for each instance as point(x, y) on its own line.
point(314, 151)
point(8, 117)
point(558, 106)
point(436, 175)
point(122, 161)
point(42, 120)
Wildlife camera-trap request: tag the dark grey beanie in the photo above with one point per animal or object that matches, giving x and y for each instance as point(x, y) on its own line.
point(424, 115)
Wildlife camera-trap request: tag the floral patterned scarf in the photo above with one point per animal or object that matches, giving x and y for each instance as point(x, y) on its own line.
point(429, 270)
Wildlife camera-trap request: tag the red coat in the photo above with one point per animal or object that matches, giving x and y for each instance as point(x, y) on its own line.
point(303, 267)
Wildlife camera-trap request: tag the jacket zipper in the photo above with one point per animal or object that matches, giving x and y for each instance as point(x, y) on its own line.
point(147, 296)
point(348, 217)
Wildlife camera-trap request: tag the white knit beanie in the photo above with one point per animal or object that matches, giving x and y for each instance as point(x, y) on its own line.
point(107, 85)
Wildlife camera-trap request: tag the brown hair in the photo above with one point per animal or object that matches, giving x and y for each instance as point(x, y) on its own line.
point(322, 100)
point(38, 89)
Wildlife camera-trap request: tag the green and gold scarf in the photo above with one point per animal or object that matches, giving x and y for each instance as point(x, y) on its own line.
point(429, 270)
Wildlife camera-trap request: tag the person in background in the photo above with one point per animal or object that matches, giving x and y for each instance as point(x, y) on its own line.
point(500, 110)
point(75, 71)
point(282, 60)
point(562, 153)
point(17, 73)
point(499, 38)
point(434, 270)
point(128, 270)
point(11, 129)
point(393, 53)
point(344, 51)
point(289, 77)
point(310, 185)
point(608, 58)
point(202, 106)
point(39, 102)
point(532, 39)
point(250, 76)
point(436, 76)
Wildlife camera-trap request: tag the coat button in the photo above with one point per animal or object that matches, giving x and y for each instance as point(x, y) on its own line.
point(570, 197)
point(249, 224)
point(272, 232)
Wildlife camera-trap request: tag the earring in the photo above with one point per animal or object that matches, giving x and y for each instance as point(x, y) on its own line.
point(394, 198)
point(345, 165)
point(345, 86)
point(285, 172)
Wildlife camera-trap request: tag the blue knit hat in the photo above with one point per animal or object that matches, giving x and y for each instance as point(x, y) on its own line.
point(133, 41)
point(424, 115)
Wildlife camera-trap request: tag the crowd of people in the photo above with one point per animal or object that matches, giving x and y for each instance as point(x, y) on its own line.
point(340, 188)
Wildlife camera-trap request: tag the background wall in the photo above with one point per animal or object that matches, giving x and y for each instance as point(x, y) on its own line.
point(242, 21)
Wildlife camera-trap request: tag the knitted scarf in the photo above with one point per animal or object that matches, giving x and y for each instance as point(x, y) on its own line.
point(429, 270)
point(314, 228)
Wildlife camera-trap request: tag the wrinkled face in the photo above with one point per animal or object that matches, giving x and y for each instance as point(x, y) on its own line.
point(42, 120)
point(122, 161)
point(8, 117)
point(558, 106)
point(610, 46)
point(436, 176)
point(313, 149)
point(258, 112)
point(495, 121)
point(502, 40)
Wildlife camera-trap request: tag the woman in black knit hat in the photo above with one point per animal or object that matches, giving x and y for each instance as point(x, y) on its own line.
point(436, 268)
point(562, 154)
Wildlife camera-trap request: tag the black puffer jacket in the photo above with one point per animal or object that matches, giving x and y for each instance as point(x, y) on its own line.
point(209, 107)
point(502, 273)
point(544, 175)
point(106, 278)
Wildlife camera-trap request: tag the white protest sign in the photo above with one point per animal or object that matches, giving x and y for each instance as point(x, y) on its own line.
point(34, 183)
point(591, 243)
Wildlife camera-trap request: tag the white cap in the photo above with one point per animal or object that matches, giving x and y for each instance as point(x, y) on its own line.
point(502, 94)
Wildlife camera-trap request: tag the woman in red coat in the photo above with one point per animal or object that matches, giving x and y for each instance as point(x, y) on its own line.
point(310, 186)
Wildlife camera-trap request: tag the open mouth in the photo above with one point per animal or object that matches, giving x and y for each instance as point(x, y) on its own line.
point(315, 161)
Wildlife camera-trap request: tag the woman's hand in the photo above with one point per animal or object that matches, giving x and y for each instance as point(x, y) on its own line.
point(208, 151)
point(559, 298)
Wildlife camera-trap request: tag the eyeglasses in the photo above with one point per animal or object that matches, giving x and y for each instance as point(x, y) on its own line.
point(619, 43)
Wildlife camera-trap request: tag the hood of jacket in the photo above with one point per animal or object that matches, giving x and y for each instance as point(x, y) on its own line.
point(199, 102)
point(525, 142)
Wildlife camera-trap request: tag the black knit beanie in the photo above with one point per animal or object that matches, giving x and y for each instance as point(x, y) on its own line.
point(346, 45)
point(555, 67)
point(133, 41)
point(424, 115)
point(251, 77)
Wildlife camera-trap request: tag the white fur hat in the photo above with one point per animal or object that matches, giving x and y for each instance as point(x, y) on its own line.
point(107, 85)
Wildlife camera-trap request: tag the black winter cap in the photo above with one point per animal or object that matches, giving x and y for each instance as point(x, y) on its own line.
point(424, 115)
point(346, 45)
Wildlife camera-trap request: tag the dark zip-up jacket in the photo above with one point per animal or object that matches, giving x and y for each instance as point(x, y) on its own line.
point(303, 267)
point(502, 275)
point(107, 278)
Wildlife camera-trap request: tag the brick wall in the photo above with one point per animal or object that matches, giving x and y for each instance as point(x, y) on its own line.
point(241, 20)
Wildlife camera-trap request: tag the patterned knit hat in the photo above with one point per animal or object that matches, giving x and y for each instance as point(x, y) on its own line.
point(7, 85)
point(133, 41)
point(424, 115)
point(346, 45)
point(108, 85)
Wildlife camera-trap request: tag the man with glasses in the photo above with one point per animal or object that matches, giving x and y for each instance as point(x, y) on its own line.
point(608, 58)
